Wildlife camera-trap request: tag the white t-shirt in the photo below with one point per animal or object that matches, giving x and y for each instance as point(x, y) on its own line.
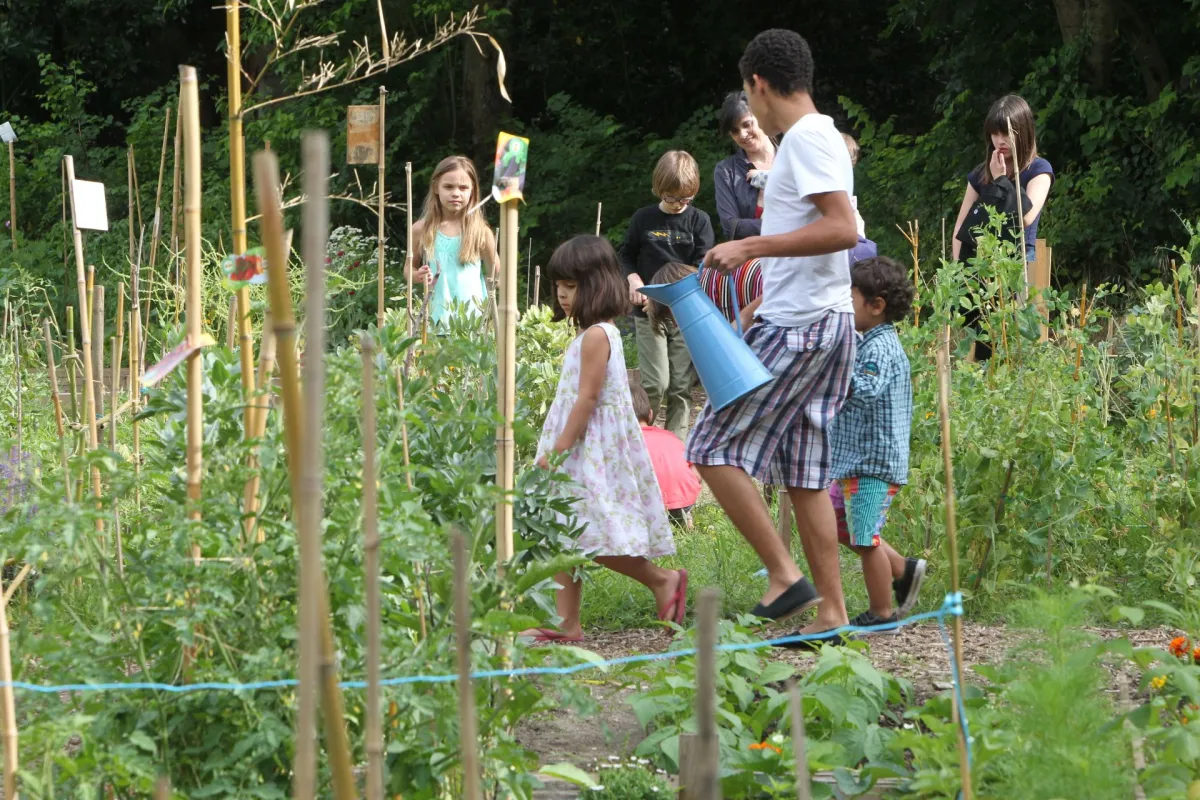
point(812, 159)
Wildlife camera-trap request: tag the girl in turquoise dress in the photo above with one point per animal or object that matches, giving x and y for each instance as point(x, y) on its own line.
point(454, 240)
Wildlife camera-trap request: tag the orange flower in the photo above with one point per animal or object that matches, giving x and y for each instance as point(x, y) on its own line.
point(1196, 655)
point(1179, 646)
point(766, 746)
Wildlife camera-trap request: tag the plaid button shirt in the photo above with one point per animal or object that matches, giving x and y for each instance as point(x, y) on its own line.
point(870, 435)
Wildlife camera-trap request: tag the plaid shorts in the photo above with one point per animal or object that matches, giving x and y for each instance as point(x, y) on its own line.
point(777, 434)
point(861, 506)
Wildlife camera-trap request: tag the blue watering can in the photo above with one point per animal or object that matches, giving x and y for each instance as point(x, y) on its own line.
point(726, 365)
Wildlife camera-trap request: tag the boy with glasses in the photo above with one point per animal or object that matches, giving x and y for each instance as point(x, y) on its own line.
point(672, 230)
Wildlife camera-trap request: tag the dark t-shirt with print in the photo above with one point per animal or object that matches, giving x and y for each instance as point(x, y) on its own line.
point(655, 238)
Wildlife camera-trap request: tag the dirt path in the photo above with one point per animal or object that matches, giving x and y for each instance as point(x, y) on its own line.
point(915, 653)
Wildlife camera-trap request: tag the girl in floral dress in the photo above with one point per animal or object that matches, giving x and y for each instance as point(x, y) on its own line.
point(592, 421)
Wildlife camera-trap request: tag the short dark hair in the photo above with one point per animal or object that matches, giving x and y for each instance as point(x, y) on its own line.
point(883, 277)
point(781, 58)
point(641, 403)
point(733, 109)
point(592, 264)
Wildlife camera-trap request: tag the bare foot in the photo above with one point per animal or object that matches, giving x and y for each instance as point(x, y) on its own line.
point(825, 621)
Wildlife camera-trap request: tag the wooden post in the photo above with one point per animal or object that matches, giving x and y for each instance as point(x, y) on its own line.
point(98, 344)
point(1040, 272)
point(409, 255)
point(237, 192)
point(799, 751)
point(189, 109)
point(12, 194)
point(374, 746)
point(382, 205)
point(707, 773)
point(783, 525)
point(598, 207)
point(7, 697)
point(467, 730)
point(688, 759)
point(506, 386)
point(283, 318)
point(943, 367)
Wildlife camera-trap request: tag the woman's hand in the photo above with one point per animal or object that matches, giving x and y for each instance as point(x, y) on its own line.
point(997, 165)
point(635, 285)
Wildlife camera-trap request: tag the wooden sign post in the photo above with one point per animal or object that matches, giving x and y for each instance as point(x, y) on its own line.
point(9, 137)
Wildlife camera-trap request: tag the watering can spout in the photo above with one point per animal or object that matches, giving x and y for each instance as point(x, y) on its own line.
point(726, 365)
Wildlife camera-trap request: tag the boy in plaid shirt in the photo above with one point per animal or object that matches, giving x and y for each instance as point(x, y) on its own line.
point(870, 441)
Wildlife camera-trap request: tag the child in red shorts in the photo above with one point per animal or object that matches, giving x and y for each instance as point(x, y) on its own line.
point(677, 479)
point(870, 441)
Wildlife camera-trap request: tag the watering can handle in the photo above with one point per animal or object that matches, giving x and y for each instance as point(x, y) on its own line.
point(737, 310)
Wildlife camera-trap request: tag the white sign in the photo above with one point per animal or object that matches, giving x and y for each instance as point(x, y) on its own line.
point(91, 214)
point(7, 134)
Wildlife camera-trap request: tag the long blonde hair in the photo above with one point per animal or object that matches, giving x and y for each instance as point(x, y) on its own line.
point(474, 227)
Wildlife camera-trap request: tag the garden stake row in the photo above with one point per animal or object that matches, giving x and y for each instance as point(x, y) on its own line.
point(283, 320)
point(943, 367)
point(85, 330)
point(467, 725)
point(374, 746)
point(189, 109)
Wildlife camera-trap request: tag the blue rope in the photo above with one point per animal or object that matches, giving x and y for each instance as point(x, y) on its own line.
point(951, 607)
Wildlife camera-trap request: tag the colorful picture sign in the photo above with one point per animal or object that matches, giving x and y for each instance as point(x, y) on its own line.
point(91, 212)
point(173, 359)
point(362, 135)
point(512, 158)
point(244, 270)
point(7, 134)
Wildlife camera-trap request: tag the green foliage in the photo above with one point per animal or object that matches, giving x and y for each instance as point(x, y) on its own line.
point(628, 780)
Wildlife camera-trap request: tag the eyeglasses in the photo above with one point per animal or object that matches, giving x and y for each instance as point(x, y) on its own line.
point(678, 201)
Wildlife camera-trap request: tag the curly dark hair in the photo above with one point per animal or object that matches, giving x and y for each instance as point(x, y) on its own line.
point(781, 58)
point(884, 277)
point(603, 292)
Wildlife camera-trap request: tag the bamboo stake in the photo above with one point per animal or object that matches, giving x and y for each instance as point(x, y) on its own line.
point(374, 746)
point(528, 272)
point(58, 409)
point(598, 207)
point(943, 367)
point(409, 256)
point(114, 389)
point(231, 323)
point(135, 396)
point(137, 190)
point(98, 344)
point(71, 359)
point(16, 334)
point(129, 195)
point(162, 788)
point(537, 285)
point(506, 387)
point(176, 199)
point(799, 752)
point(467, 730)
point(1012, 138)
point(237, 191)
point(382, 201)
point(189, 109)
point(409, 480)
point(7, 698)
point(91, 287)
point(156, 233)
point(913, 235)
point(284, 321)
point(12, 193)
point(112, 445)
point(708, 784)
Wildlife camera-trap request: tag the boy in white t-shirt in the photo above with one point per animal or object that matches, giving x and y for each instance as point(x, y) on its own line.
point(804, 334)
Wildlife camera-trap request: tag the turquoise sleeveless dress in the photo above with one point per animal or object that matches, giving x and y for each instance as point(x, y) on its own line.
point(456, 283)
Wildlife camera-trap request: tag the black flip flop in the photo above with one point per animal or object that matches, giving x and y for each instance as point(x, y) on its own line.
point(796, 599)
point(829, 637)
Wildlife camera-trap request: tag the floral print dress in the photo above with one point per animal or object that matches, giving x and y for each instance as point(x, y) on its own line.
point(618, 499)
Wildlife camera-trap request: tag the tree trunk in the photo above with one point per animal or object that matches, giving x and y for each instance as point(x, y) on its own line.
point(1095, 19)
point(1151, 63)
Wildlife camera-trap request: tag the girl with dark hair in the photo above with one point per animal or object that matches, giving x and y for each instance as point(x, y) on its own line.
point(990, 185)
point(737, 178)
point(592, 423)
